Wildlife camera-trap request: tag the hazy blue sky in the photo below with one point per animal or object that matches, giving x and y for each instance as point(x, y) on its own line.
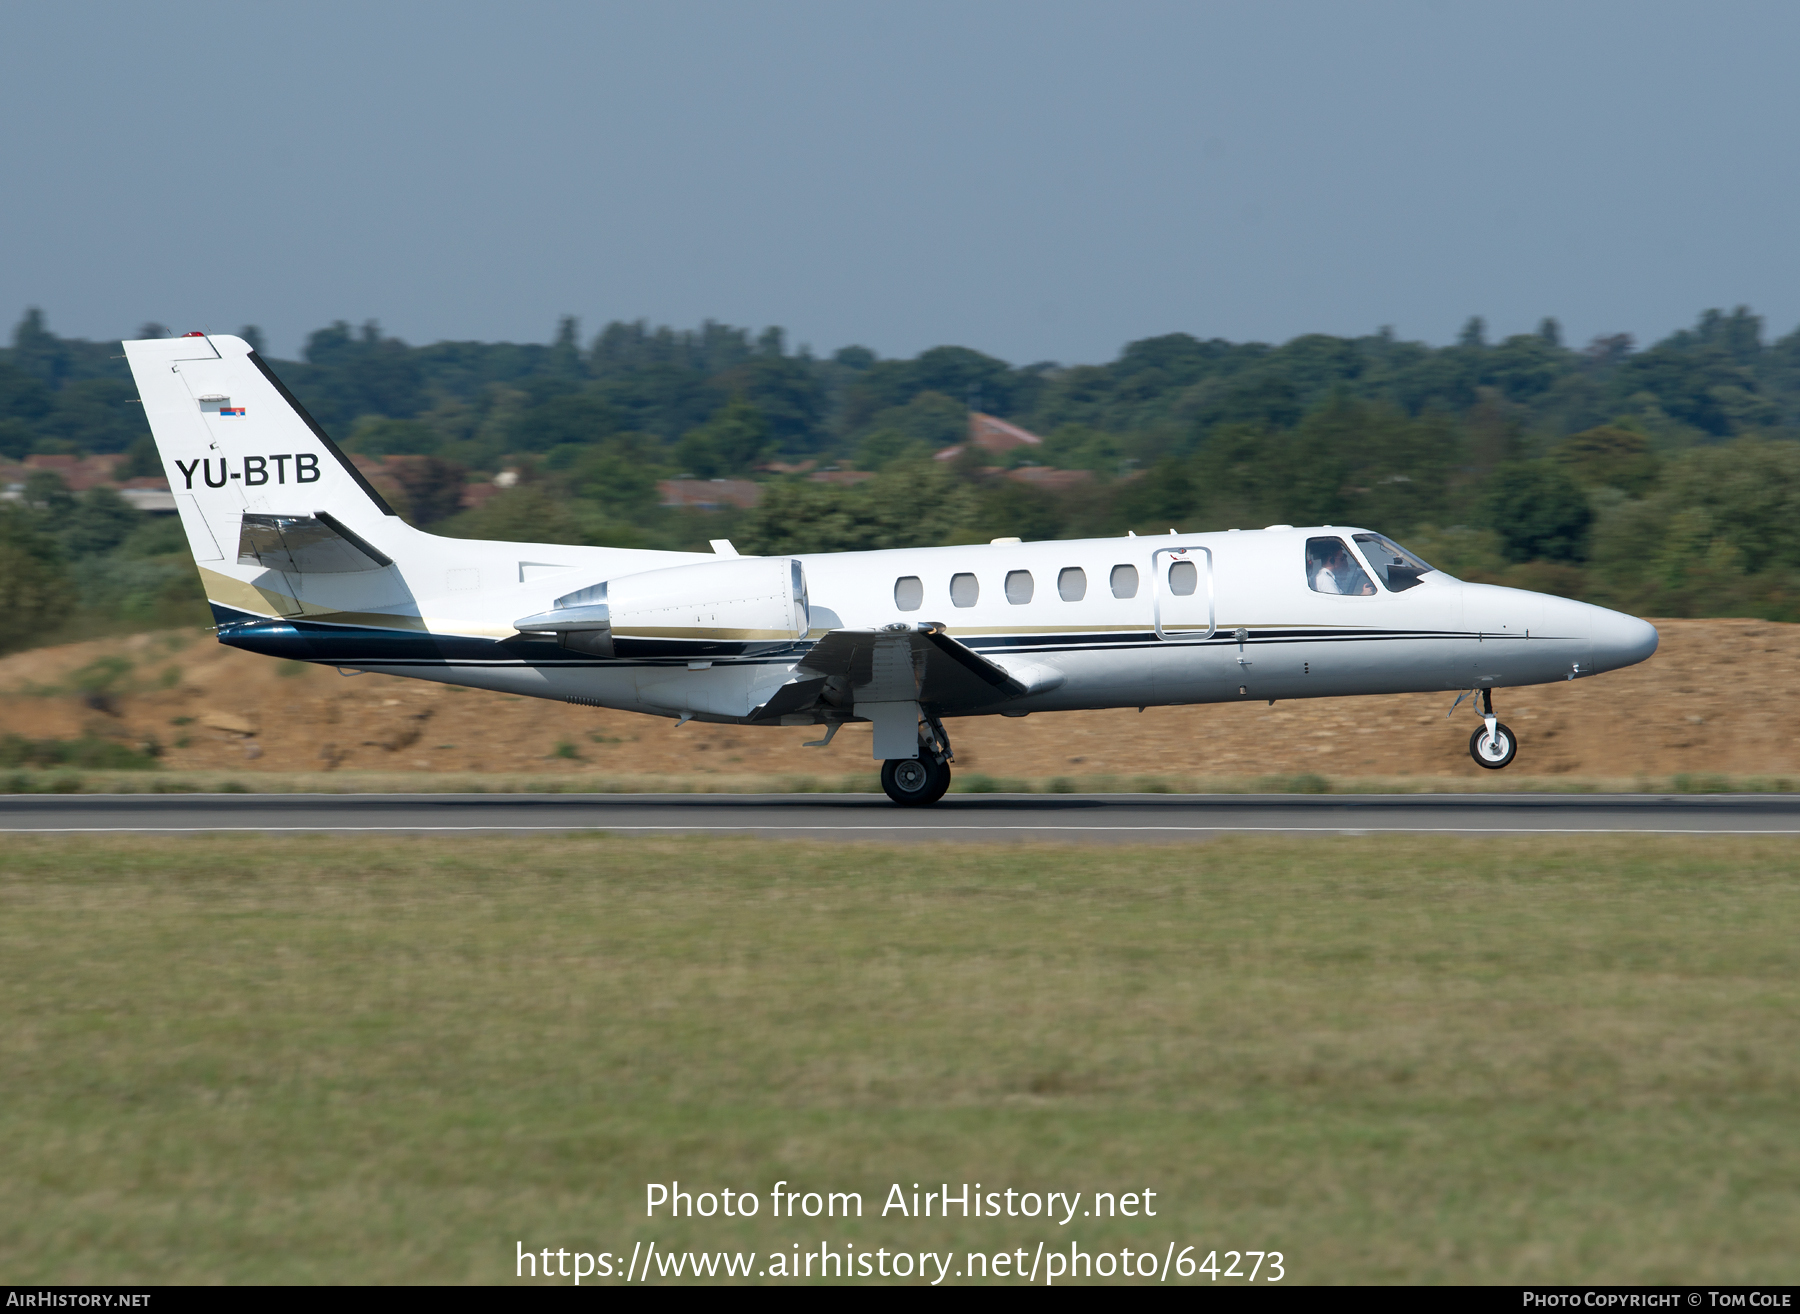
point(1041, 181)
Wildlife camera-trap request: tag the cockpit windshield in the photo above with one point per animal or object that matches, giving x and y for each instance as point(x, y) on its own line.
point(1331, 569)
point(1396, 568)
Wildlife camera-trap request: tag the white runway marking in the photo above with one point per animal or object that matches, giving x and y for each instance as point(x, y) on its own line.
point(928, 826)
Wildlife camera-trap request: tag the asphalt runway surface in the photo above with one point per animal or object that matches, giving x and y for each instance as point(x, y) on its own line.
point(1103, 818)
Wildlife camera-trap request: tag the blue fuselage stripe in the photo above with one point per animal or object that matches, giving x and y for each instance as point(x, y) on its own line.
point(354, 645)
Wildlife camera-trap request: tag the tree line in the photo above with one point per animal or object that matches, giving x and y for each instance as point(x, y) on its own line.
point(1660, 479)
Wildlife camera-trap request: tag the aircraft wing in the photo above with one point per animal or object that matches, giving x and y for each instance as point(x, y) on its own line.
point(923, 664)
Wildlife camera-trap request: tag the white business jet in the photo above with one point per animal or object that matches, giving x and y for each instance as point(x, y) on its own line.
point(301, 558)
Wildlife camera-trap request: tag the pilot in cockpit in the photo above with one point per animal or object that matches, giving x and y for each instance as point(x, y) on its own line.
point(1331, 569)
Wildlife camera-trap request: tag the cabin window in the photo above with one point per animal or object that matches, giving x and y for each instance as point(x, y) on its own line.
point(1396, 568)
point(909, 593)
point(1184, 578)
point(1124, 581)
point(1071, 584)
point(1018, 587)
point(1331, 569)
point(965, 591)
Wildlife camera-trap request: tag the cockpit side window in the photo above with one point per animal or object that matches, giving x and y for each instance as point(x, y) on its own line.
point(1396, 568)
point(1330, 568)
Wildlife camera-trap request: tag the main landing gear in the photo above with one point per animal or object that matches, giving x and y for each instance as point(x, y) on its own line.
point(1494, 745)
point(915, 782)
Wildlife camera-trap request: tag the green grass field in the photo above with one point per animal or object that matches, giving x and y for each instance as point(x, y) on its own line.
point(1392, 1059)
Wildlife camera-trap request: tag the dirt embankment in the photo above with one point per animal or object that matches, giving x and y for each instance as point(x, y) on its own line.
point(1711, 701)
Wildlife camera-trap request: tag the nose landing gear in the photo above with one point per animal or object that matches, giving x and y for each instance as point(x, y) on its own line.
point(1494, 745)
point(915, 782)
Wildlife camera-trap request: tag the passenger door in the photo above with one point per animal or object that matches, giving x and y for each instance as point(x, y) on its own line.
point(1181, 594)
point(1183, 614)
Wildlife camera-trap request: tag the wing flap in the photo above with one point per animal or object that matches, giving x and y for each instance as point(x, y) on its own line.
point(797, 695)
point(923, 664)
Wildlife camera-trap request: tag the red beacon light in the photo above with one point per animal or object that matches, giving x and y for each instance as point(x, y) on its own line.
point(195, 334)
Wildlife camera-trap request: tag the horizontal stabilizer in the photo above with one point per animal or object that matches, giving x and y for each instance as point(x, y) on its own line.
point(318, 544)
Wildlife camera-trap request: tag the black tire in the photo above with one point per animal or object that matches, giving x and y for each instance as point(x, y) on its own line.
point(915, 782)
point(1508, 741)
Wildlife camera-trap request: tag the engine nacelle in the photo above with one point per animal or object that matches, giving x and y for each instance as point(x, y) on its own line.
point(707, 609)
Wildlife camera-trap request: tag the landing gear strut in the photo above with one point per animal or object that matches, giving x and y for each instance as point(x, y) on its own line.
point(914, 782)
point(1494, 745)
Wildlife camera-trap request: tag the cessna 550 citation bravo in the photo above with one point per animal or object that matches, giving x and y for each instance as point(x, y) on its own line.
point(301, 558)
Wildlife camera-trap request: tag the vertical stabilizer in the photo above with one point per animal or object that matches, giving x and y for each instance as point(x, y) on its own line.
point(235, 443)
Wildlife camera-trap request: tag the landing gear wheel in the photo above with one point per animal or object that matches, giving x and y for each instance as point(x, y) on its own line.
point(914, 782)
point(1496, 752)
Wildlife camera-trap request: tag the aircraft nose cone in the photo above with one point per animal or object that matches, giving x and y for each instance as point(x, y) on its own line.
point(1621, 640)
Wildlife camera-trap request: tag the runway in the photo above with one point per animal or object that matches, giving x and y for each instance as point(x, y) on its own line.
point(1101, 818)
